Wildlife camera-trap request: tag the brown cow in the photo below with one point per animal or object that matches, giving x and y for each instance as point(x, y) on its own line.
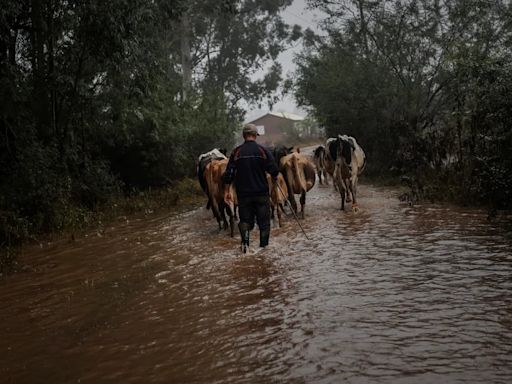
point(278, 195)
point(299, 175)
point(202, 162)
point(216, 191)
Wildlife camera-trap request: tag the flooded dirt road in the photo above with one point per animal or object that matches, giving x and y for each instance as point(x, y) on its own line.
point(392, 294)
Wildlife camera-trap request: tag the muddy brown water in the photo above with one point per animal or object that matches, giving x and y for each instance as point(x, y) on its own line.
point(391, 294)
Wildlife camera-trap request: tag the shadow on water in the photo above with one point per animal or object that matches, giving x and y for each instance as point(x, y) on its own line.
point(392, 294)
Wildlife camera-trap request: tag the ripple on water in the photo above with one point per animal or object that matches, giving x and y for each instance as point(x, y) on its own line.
point(391, 294)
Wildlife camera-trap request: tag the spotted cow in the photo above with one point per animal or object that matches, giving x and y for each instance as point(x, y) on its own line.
point(350, 161)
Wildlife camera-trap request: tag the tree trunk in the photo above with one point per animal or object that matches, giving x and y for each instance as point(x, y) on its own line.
point(363, 24)
point(186, 60)
point(12, 47)
point(40, 100)
point(51, 67)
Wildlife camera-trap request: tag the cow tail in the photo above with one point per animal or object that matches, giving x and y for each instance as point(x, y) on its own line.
point(299, 175)
point(309, 174)
point(283, 189)
point(215, 204)
point(322, 158)
point(363, 166)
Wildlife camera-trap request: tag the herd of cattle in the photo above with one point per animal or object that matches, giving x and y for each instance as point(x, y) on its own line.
point(341, 159)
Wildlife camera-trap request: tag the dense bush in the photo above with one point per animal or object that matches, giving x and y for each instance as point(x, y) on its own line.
point(424, 86)
point(100, 99)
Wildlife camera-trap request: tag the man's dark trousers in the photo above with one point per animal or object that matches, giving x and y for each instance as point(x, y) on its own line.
point(248, 209)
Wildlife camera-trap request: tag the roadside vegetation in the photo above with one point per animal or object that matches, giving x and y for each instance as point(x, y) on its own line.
point(425, 88)
point(103, 103)
point(75, 221)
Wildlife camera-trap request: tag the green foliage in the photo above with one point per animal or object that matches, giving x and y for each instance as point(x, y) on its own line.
point(424, 86)
point(96, 103)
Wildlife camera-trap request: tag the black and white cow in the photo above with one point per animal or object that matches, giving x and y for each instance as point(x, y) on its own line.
point(350, 160)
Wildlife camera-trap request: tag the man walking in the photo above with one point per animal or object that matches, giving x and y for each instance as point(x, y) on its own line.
point(247, 166)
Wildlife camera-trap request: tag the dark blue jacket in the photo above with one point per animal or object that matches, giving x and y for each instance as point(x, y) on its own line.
point(247, 166)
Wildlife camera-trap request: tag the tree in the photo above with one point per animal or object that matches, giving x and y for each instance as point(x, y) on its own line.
point(92, 95)
point(408, 79)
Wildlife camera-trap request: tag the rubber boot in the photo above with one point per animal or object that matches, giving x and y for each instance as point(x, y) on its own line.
point(244, 234)
point(264, 236)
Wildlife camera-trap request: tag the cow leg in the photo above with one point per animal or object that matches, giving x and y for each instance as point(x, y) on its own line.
point(338, 183)
point(216, 213)
point(326, 180)
point(205, 189)
point(232, 225)
point(231, 215)
point(302, 203)
point(353, 189)
point(214, 208)
point(349, 192)
point(219, 217)
point(225, 224)
point(289, 185)
point(279, 208)
point(348, 188)
point(222, 210)
point(293, 203)
point(219, 221)
point(319, 173)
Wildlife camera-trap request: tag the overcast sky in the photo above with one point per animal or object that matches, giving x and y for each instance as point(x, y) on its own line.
point(294, 14)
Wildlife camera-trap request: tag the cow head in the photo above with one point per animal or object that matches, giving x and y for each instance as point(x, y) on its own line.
point(280, 151)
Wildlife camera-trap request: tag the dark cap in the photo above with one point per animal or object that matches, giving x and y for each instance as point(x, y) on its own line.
point(250, 129)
